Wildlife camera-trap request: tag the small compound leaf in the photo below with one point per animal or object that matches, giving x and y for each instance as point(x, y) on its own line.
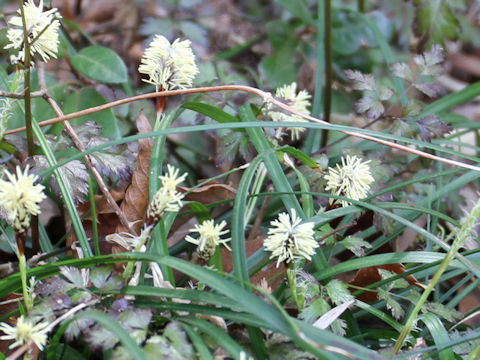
point(178, 339)
point(76, 327)
point(315, 310)
point(338, 292)
point(392, 305)
point(445, 312)
point(413, 108)
point(73, 275)
point(428, 62)
point(431, 126)
point(363, 82)
point(74, 174)
point(103, 279)
point(356, 245)
point(115, 160)
point(371, 106)
point(135, 318)
point(385, 93)
point(338, 327)
point(430, 89)
point(395, 284)
point(101, 338)
point(403, 71)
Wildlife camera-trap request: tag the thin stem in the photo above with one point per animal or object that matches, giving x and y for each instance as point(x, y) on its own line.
point(328, 68)
point(93, 209)
point(20, 95)
point(464, 233)
point(361, 5)
point(28, 118)
point(267, 97)
point(76, 140)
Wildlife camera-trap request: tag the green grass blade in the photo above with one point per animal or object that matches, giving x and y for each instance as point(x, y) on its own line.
point(439, 334)
point(271, 162)
point(220, 336)
point(198, 343)
point(67, 197)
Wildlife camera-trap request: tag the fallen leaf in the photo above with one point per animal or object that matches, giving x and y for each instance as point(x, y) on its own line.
point(370, 275)
point(135, 204)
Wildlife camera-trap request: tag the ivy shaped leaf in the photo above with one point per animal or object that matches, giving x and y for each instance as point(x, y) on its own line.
point(431, 126)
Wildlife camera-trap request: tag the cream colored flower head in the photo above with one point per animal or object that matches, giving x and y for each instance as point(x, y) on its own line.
point(209, 235)
point(24, 331)
point(167, 198)
point(42, 30)
point(169, 66)
point(300, 102)
point(20, 197)
point(288, 239)
point(352, 179)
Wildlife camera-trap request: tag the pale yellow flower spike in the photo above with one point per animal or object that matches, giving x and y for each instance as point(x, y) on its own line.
point(209, 235)
point(300, 102)
point(169, 66)
point(352, 179)
point(37, 22)
point(20, 197)
point(167, 198)
point(288, 239)
point(25, 331)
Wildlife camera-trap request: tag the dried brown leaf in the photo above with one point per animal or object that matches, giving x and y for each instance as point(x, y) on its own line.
point(135, 204)
point(370, 275)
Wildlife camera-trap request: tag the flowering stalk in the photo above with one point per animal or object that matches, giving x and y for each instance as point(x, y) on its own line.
point(19, 199)
point(141, 241)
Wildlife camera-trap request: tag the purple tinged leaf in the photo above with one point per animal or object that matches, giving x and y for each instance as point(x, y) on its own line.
point(113, 160)
point(120, 305)
point(364, 82)
point(52, 285)
point(431, 126)
point(74, 174)
point(403, 71)
point(61, 300)
point(101, 338)
point(135, 318)
point(73, 275)
point(372, 107)
point(412, 109)
point(76, 327)
point(429, 61)
point(430, 89)
point(385, 93)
